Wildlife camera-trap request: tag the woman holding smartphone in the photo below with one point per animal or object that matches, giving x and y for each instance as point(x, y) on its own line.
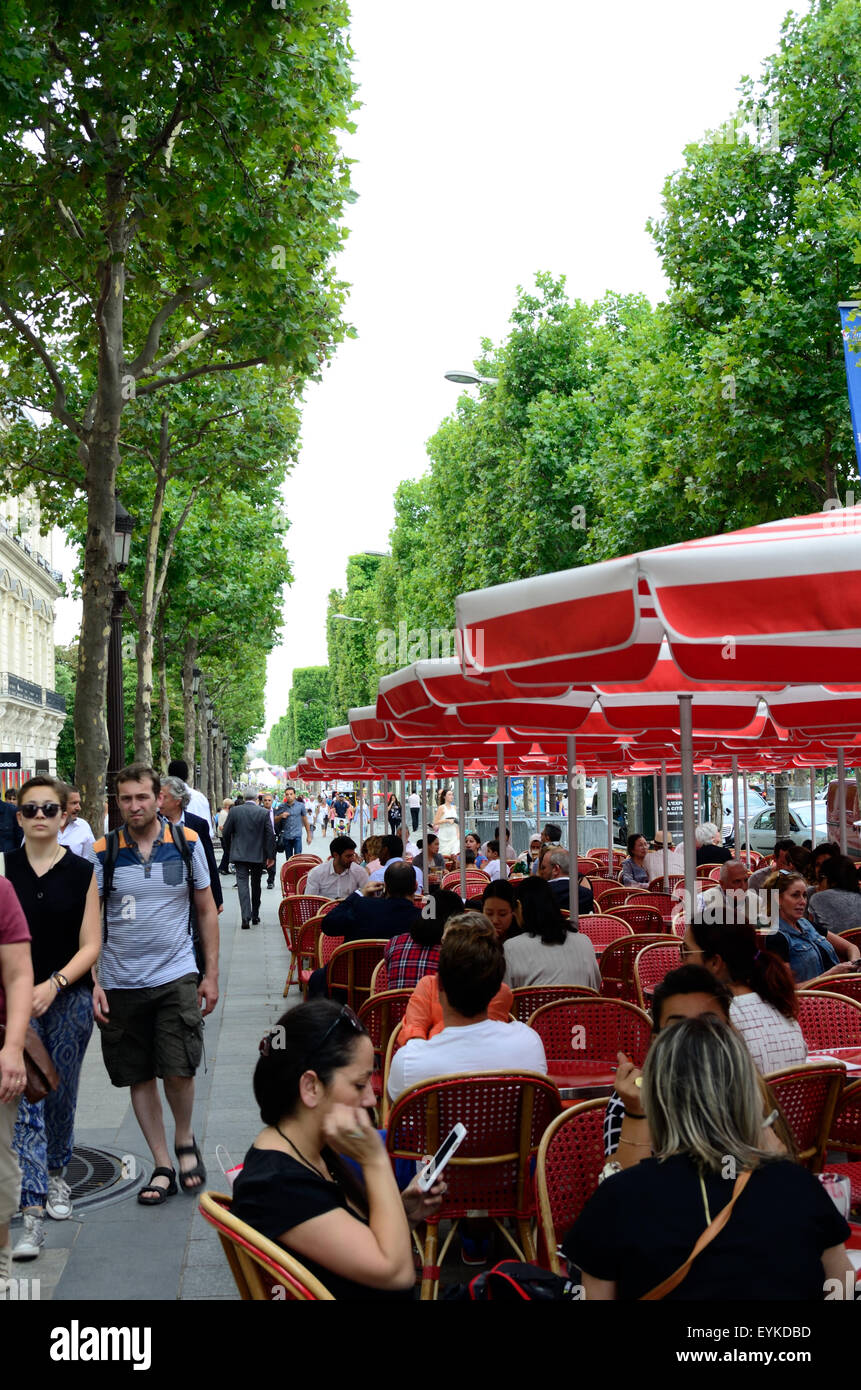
point(59, 897)
point(313, 1086)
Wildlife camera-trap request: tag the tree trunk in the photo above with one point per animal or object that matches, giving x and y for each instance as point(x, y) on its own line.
point(146, 618)
point(716, 801)
point(188, 740)
point(203, 741)
point(163, 705)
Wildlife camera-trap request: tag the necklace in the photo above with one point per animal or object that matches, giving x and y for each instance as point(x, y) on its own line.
point(328, 1176)
point(705, 1201)
point(60, 850)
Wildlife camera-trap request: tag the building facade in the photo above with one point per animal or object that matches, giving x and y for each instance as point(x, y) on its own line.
point(32, 713)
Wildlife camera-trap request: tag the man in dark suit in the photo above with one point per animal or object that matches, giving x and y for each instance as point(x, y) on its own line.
point(173, 803)
point(554, 869)
point(11, 834)
point(250, 843)
point(365, 915)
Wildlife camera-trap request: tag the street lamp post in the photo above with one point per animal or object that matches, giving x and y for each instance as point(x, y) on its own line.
point(123, 527)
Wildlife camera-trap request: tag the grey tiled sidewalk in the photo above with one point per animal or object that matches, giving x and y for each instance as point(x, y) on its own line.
point(129, 1252)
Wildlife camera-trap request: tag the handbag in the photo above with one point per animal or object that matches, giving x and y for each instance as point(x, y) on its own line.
point(713, 1229)
point(42, 1075)
point(512, 1281)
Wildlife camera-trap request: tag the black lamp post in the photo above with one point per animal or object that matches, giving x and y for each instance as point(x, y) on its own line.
point(123, 527)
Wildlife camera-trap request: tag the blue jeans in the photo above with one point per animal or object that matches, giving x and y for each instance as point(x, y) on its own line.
point(293, 846)
point(44, 1133)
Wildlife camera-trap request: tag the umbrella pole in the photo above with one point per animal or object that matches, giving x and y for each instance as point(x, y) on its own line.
point(654, 805)
point(610, 873)
point(841, 796)
point(735, 826)
point(686, 725)
point(386, 826)
point(746, 821)
point(461, 811)
point(573, 876)
point(500, 802)
point(665, 820)
point(404, 831)
point(424, 816)
point(813, 808)
point(360, 806)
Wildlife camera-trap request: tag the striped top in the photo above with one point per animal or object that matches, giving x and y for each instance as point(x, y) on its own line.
point(148, 943)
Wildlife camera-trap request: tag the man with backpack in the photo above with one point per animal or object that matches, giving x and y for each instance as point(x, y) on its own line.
point(147, 1001)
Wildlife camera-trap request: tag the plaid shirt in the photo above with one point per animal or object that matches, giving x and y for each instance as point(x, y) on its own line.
point(406, 962)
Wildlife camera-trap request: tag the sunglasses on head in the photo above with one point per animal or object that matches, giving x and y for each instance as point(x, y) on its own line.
point(49, 808)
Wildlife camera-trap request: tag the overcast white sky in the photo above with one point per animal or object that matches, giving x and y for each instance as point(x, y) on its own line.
point(496, 139)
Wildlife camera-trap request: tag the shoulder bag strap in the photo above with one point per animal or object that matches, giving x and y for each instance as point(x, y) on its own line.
point(661, 1290)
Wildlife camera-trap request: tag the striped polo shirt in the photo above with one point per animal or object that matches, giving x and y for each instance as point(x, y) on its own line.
point(148, 938)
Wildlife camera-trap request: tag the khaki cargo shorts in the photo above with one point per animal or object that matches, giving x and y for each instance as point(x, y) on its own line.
point(152, 1032)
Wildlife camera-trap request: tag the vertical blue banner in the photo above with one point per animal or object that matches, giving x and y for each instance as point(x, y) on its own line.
point(850, 323)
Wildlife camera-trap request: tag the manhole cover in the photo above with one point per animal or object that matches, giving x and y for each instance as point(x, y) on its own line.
point(102, 1175)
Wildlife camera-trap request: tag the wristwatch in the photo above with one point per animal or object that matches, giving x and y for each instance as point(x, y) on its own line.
point(60, 980)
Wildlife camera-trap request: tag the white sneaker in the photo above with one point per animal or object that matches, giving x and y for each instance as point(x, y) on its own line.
point(5, 1267)
point(59, 1203)
point(31, 1239)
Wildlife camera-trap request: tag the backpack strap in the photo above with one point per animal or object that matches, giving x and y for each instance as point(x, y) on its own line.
point(177, 834)
point(112, 850)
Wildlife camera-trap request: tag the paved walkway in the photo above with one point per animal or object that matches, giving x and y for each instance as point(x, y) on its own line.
point(123, 1250)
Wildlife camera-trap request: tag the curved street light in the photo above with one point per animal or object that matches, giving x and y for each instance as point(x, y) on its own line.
point(470, 378)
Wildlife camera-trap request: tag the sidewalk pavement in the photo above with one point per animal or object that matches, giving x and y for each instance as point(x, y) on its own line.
point(126, 1251)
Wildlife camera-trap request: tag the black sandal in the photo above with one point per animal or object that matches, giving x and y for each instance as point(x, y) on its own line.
point(198, 1171)
point(161, 1193)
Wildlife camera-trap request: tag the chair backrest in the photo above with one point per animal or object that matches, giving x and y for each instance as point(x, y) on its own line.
point(807, 1095)
point(664, 902)
point(350, 968)
point(617, 966)
point(380, 1013)
point(603, 857)
point(849, 986)
point(295, 910)
point(326, 948)
point(641, 917)
point(570, 1158)
point(262, 1270)
point(602, 928)
point(704, 870)
point(379, 979)
point(852, 934)
point(651, 964)
point(591, 1030)
point(602, 885)
point(393, 1044)
point(829, 1019)
point(476, 881)
point(845, 1132)
point(588, 866)
point(504, 1113)
point(293, 869)
point(715, 875)
point(530, 997)
point(302, 883)
point(612, 897)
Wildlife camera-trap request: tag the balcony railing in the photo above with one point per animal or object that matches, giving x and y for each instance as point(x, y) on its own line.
point(17, 688)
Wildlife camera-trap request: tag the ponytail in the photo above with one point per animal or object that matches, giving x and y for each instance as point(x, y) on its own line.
point(773, 981)
point(762, 971)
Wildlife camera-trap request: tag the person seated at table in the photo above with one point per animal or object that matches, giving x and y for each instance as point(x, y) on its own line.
point(339, 876)
point(371, 852)
point(555, 868)
point(764, 1008)
point(497, 903)
point(430, 860)
point(654, 860)
point(392, 852)
point(415, 953)
point(709, 847)
point(542, 948)
point(424, 1013)
point(633, 871)
point(471, 966)
point(369, 915)
point(491, 863)
point(473, 842)
point(534, 852)
point(812, 952)
point(784, 1235)
point(781, 859)
point(836, 904)
point(828, 849)
point(313, 1085)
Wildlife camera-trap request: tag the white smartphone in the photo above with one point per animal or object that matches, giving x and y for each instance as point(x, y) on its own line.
point(428, 1175)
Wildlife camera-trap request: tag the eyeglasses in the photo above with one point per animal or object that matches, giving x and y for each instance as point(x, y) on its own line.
point(689, 950)
point(345, 1016)
point(29, 809)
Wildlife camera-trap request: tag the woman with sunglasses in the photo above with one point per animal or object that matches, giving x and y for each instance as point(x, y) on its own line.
point(313, 1086)
point(59, 897)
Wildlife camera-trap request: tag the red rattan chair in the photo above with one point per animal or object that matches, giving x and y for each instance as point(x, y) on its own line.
point(308, 949)
point(350, 967)
point(293, 913)
point(852, 934)
point(848, 986)
point(379, 979)
point(393, 1045)
point(656, 885)
point(642, 918)
point(664, 902)
point(828, 1020)
point(613, 897)
point(807, 1095)
point(617, 966)
point(652, 963)
point(505, 1115)
point(530, 997)
point(380, 1014)
point(476, 881)
point(263, 1271)
point(602, 928)
point(302, 882)
point(588, 867)
point(326, 948)
point(570, 1158)
point(293, 869)
point(845, 1135)
point(602, 856)
point(582, 1034)
point(602, 885)
point(704, 870)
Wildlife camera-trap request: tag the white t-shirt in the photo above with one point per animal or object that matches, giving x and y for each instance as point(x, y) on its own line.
point(773, 1040)
point(487, 1046)
point(491, 868)
point(414, 801)
point(199, 806)
point(77, 837)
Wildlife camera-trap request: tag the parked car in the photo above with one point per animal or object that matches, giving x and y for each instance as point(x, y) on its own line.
point(755, 803)
point(763, 834)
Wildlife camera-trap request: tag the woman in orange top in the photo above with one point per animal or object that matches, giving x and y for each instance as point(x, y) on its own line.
point(423, 1017)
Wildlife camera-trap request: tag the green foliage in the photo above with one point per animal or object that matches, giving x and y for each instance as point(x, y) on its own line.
point(65, 667)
